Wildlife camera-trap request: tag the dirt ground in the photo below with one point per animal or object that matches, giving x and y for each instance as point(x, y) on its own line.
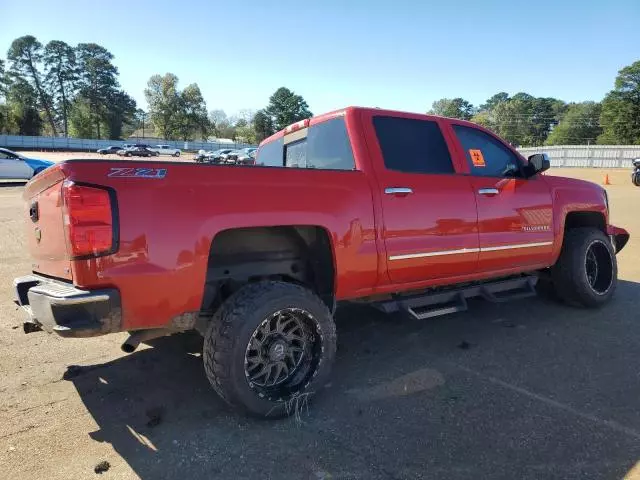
point(524, 390)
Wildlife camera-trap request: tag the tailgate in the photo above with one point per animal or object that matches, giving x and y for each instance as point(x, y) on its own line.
point(46, 238)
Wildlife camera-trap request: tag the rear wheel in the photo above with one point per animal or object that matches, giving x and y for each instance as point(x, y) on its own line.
point(269, 348)
point(586, 273)
point(635, 178)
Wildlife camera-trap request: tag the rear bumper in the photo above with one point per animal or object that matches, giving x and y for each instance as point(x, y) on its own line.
point(619, 237)
point(59, 307)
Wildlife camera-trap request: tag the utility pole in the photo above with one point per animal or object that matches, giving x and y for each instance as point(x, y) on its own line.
point(144, 114)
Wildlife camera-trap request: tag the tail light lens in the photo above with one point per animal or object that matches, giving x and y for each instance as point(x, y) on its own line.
point(89, 220)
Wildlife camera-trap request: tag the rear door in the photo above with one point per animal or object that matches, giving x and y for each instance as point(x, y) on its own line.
point(515, 218)
point(429, 210)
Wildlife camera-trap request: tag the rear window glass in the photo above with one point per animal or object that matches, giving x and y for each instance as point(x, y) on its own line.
point(325, 147)
point(412, 146)
point(270, 154)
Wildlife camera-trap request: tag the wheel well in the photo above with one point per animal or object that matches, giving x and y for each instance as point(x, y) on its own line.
point(298, 254)
point(585, 219)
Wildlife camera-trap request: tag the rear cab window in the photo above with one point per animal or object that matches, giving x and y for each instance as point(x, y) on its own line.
point(412, 145)
point(322, 146)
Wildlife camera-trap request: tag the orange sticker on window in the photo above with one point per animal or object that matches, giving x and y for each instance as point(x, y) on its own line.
point(476, 157)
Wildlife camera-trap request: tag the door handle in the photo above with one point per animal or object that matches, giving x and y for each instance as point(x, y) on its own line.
point(488, 191)
point(398, 190)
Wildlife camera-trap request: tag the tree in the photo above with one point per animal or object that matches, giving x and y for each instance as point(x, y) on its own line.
point(263, 125)
point(484, 119)
point(452, 108)
point(192, 114)
point(22, 100)
point(61, 76)
point(25, 55)
point(285, 108)
point(121, 111)
point(97, 81)
point(163, 98)
point(620, 116)
point(579, 125)
point(80, 120)
point(492, 102)
point(4, 81)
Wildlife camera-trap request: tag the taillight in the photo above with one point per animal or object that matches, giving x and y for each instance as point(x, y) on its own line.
point(88, 218)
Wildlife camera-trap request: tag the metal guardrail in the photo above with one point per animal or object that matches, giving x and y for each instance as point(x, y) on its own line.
point(591, 156)
point(83, 144)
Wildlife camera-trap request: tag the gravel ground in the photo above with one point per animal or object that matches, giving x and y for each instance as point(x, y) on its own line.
point(525, 390)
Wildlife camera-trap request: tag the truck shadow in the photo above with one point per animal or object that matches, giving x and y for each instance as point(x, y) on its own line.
point(399, 387)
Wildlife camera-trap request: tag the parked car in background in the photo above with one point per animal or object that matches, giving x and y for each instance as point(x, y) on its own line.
point(247, 158)
point(137, 152)
point(110, 149)
point(13, 165)
point(224, 157)
point(242, 153)
point(216, 156)
point(166, 150)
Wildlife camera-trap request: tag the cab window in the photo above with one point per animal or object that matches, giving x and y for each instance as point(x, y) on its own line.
point(486, 156)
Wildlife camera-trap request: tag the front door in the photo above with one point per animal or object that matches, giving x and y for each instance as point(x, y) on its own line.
point(429, 211)
point(515, 217)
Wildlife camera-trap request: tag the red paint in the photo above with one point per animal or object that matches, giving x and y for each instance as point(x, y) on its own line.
point(166, 225)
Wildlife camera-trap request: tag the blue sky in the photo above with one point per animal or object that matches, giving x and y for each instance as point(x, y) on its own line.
point(391, 54)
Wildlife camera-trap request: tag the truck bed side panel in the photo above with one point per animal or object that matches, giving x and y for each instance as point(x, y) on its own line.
point(167, 226)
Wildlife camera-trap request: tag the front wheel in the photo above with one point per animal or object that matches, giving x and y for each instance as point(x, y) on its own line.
point(177, 154)
point(269, 348)
point(635, 178)
point(586, 274)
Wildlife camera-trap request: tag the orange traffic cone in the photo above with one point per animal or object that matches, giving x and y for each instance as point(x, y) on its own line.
point(606, 180)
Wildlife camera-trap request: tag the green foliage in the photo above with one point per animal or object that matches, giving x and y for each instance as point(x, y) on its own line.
point(177, 114)
point(21, 99)
point(452, 108)
point(80, 119)
point(579, 125)
point(121, 111)
point(25, 55)
point(192, 113)
point(620, 117)
point(523, 119)
point(97, 82)
point(8, 123)
point(4, 80)
point(263, 125)
point(494, 101)
point(285, 108)
point(61, 77)
point(163, 99)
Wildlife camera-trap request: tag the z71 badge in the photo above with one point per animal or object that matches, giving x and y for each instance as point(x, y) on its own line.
point(137, 172)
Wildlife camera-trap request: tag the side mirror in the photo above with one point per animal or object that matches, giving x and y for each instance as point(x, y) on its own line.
point(538, 163)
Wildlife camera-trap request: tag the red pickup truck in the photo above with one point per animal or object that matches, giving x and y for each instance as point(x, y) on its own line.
point(412, 213)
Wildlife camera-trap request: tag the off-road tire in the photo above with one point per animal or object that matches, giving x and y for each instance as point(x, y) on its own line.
point(569, 274)
point(231, 330)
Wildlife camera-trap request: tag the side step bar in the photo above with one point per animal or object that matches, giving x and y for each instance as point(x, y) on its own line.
point(455, 300)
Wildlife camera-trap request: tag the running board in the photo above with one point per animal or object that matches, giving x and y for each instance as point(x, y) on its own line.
point(454, 300)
